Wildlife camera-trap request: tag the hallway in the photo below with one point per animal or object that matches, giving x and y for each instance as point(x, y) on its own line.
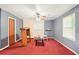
point(51, 47)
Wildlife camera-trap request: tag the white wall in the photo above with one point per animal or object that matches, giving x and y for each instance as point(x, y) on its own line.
point(31, 24)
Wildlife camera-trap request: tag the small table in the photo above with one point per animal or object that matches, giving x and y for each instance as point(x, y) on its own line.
point(39, 42)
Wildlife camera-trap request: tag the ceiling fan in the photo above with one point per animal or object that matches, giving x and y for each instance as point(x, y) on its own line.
point(40, 17)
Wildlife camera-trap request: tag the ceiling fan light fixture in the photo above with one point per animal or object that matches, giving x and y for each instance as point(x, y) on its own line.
point(43, 17)
point(37, 19)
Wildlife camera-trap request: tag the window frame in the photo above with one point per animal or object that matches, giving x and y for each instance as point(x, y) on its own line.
point(73, 27)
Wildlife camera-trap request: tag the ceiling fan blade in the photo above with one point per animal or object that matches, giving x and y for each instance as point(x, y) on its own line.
point(43, 17)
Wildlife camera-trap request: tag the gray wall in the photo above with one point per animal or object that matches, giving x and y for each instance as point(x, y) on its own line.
point(0, 27)
point(19, 24)
point(74, 45)
point(4, 27)
point(48, 24)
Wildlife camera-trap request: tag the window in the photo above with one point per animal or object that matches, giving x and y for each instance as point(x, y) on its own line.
point(38, 25)
point(38, 28)
point(69, 27)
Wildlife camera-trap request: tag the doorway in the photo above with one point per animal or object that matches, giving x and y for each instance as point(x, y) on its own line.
point(11, 31)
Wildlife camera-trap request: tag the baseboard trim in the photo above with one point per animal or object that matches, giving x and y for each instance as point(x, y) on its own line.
point(66, 46)
point(18, 40)
point(4, 48)
point(7, 46)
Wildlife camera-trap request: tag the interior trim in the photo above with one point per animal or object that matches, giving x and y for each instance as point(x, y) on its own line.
point(4, 47)
point(8, 28)
point(66, 46)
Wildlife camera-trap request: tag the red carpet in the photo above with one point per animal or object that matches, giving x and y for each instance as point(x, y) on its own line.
point(51, 47)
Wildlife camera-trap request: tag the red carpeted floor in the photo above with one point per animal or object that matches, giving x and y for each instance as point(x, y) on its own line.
point(51, 47)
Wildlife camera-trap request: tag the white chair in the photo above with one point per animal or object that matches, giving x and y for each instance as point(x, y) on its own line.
point(45, 37)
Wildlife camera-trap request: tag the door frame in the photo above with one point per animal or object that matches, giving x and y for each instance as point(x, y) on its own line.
point(8, 28)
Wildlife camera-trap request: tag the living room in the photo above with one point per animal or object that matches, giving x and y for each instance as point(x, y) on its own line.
point(53, 28)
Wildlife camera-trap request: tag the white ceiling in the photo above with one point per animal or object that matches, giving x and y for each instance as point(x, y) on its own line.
point(28, 11)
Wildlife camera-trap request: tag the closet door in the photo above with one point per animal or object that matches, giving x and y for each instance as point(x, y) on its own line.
point(11, 31)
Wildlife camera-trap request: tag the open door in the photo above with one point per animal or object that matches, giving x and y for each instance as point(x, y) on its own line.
point(11, 31)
